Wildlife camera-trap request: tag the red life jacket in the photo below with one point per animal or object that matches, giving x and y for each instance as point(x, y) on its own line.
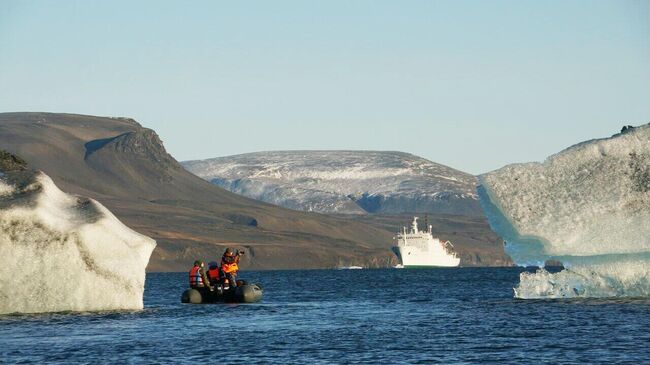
point(195, 277)
point(214, 274)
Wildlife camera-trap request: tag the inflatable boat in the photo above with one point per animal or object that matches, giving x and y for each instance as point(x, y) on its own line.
point(243, 293)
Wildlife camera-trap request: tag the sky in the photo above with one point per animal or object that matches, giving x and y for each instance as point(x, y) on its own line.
point(474, 85)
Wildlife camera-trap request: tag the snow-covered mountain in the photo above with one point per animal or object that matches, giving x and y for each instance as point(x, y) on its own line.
point(351, 182)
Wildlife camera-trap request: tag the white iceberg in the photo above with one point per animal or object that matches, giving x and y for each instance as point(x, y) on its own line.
point(60, 252)
point(588, 207)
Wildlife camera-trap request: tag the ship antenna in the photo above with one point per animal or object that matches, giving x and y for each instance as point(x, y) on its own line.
point(426, 221)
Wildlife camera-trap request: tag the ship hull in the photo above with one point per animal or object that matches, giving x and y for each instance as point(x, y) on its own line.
point(426, 267)
point(419, 249)
point(413, 258)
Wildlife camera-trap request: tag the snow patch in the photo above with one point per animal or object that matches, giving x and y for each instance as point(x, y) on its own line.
point(5, 189)
point(399, 182)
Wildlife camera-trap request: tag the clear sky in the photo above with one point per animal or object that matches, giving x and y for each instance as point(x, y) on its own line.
point(471, 84)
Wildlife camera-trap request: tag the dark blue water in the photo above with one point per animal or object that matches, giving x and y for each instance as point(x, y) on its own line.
point(355, 316)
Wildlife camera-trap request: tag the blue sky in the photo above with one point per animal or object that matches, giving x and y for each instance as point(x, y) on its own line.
point(471, 84)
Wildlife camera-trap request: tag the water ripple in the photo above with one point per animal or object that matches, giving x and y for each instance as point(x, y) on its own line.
point(356, 316)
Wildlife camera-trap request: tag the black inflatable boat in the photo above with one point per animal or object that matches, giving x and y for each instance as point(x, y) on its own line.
point(244, 293)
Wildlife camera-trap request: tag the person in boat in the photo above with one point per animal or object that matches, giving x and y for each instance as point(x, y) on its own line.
point(214, 273)
point(198, 278)
point(230, 265)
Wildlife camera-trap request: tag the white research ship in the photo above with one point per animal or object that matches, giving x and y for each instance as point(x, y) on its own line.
point(420, 249)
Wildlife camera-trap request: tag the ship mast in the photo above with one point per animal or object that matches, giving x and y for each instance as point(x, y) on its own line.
point(426, 222)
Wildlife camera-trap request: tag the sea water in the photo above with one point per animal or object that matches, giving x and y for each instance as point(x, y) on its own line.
point(461, 315)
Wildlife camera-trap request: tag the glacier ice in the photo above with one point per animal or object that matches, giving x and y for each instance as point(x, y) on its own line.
point(588, 207)
point(60, 252)
point(627, 278)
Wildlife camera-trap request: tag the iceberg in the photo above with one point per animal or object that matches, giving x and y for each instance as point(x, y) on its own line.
point(60, 252)
point(588, 207)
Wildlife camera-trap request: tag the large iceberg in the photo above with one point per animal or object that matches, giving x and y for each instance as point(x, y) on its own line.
point(588, 207)
point(60, 252)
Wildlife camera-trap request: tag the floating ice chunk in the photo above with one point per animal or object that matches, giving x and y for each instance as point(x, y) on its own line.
point(60, 252)
point(587, 206)
point(616, 279)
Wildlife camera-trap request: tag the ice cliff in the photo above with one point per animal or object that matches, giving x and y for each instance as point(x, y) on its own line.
point(60, 252)
point(588, 207)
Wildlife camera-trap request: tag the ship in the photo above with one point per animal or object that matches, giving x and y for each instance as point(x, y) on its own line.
point(417, 248)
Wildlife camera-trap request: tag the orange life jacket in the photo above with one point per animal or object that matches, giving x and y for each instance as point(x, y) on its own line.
point(229, 268)
point(195, 277)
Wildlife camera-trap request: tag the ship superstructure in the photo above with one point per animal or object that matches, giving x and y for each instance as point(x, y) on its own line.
point(417, 248)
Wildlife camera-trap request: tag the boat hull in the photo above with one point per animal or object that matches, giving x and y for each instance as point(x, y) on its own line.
point(427, 266)
point(247, 293)
point(411, 257)
point(416, 248)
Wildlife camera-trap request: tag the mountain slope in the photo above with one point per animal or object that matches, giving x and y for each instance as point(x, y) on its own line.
point(126, 168)
point(350, 182)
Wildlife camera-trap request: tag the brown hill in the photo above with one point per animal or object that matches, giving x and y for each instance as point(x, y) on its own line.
point(125, 166)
